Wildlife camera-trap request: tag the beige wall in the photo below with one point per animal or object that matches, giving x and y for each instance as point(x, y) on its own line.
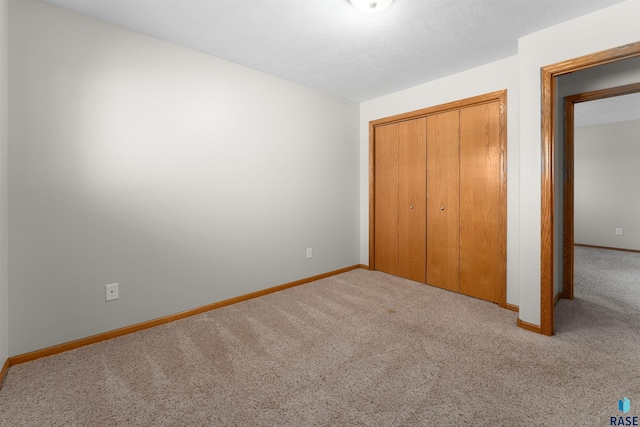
point(184, 178)
point(606, 184)
point(4, 286)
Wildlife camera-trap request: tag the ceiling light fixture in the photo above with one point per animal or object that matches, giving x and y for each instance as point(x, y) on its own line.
point(370, 6)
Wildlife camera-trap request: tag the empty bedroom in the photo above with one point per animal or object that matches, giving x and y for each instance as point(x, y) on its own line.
point(319, 213)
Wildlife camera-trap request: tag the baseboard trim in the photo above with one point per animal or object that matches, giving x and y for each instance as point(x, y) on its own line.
point(556, 299)
point(364, 267)
point(529, 326)
point(607, 247)
point(72, 345)
point(4, 371)
point(513, 307)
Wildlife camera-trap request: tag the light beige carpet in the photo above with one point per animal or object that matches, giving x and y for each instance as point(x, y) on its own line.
point(361, 348)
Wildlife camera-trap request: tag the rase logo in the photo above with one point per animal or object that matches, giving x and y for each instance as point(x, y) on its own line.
point(624, 406)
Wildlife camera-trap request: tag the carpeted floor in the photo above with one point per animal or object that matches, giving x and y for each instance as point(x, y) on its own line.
point(362, 348)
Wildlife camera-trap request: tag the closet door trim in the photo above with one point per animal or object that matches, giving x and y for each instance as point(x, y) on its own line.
point(501, 98)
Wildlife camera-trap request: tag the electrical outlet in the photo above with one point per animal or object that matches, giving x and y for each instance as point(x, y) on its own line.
point(309, 253)
point(112, 292)
point(618, 231)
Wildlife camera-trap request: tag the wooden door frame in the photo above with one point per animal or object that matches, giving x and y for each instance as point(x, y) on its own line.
point(499, 96)
point(548, 94)
point(568, 250)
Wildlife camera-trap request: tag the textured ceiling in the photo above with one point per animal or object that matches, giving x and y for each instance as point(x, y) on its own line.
point(608, 110)
point(330, 46)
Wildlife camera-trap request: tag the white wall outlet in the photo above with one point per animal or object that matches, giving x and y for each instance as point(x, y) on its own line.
point(112, 292)
point(618, 231)
point(309, 253)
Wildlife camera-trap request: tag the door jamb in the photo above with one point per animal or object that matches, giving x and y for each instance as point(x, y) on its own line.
point(548, 89)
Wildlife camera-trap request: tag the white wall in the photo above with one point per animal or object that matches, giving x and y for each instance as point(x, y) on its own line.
point(606, 184)
point(4, 286)
point(601, 30)
point(492, 77)
point(184, 178)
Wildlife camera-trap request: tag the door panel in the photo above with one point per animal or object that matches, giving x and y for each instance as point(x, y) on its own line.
point(443, 200)
point(386, 198)
point(412, 199)
point(481, 228)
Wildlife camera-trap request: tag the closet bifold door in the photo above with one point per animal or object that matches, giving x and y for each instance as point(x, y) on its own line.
point(386, 198)
point(481, 227)
point(443, 200)
point(400, 199)
point(412, 200)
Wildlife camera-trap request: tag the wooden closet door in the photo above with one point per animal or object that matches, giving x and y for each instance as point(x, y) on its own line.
point(386, 198)
point(443, 200)
point(482, 264)
point(412, 199)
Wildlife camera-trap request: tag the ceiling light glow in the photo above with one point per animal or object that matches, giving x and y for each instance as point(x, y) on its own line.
point(370, 6)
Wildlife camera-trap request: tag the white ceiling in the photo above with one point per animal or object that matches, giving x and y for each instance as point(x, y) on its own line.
point(330, 46)
point(608, 110)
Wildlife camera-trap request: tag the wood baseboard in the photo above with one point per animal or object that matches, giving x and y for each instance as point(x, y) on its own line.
point(607, 247)
point(3, 372)
point(364, 267)
point(513, 307)
point(529, 326)
point(556, 299)
point(71, 345)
